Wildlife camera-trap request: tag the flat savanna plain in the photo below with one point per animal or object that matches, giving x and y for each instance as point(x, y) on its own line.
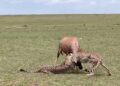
point(31, 41)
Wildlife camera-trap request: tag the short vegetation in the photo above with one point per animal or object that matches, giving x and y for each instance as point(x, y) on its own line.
point(29, 42)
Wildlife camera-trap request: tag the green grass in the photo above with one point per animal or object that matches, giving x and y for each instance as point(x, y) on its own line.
point(36, 44)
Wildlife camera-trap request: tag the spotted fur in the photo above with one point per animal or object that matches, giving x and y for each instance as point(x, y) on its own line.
point(94, 59)
point(67, 65)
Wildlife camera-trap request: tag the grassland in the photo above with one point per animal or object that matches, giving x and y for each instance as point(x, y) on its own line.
point(31, 41)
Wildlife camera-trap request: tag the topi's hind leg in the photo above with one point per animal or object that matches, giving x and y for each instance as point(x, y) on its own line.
point(109, 74)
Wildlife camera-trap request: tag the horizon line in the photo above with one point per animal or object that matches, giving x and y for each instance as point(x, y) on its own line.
point(58, 14)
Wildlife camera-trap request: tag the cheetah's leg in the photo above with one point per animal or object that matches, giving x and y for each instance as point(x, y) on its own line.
point(93, 68)
point(108, 72)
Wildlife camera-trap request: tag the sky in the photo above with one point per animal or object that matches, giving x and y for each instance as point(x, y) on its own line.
point(59, 7)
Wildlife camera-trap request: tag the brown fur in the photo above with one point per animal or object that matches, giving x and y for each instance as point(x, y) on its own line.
point(92, 58)
point(68, 45)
